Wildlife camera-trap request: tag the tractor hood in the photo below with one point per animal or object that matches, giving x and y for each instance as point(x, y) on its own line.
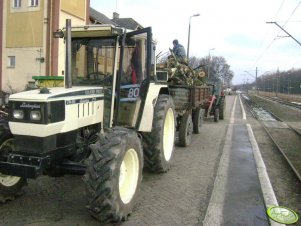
point(47, 112)
point(49, 94)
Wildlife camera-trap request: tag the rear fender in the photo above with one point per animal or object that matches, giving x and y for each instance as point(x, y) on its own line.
point(147, 117)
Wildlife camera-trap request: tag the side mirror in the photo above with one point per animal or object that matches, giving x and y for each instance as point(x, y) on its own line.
point(162, 76)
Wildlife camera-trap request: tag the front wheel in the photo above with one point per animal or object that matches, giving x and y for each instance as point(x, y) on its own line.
point(114, 174)
point(10, 186)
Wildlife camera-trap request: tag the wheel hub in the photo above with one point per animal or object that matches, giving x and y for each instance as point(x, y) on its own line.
point(189, 131)
point(168, 134)
point(7, 180)
point(128, 176)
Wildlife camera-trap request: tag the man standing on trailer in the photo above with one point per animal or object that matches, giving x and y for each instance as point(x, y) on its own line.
point(179, 51)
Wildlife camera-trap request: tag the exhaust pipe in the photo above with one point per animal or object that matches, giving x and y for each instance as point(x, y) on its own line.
point(68, 79)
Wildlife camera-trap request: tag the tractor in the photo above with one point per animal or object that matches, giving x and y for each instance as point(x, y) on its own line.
point(113, 117)
point(217, 100)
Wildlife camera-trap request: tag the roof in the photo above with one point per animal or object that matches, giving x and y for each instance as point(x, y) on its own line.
point(98, 17)
point(128, 23)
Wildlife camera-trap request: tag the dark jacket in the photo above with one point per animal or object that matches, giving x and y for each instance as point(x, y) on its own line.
point(179, 51)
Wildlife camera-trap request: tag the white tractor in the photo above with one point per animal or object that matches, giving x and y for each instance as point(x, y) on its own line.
point(113, 116)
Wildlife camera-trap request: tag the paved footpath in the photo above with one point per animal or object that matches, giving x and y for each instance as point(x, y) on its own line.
point(241, 190)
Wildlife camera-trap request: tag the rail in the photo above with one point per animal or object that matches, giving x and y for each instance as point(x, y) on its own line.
point(292, 157)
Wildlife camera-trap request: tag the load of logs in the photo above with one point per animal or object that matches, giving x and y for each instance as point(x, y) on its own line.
point(179, 73)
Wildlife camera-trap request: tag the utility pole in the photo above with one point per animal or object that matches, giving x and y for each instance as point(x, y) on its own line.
point(256, 82)
point(284, 31)
point(209, 57)
point(188, 44)
point(277, 84)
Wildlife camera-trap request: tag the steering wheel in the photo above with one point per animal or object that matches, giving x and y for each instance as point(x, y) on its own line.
point(105, 80)
point(95, 75)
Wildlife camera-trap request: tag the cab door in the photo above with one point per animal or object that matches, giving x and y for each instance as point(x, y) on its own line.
point(133, 77)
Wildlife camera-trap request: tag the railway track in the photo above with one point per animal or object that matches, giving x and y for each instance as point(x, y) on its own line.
point(284, 102)
point(286, 138)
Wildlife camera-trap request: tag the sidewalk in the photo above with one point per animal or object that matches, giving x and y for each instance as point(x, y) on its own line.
point(237, 197)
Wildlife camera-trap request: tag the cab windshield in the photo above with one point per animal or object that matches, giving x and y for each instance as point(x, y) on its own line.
point(93, 61)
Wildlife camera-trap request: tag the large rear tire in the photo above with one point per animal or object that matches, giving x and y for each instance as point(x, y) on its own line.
point(216, 114)
point(185, 130)
point(10, 186)
point(114, 174)
point(158, 145)
point(222, 106)
point(198, 118)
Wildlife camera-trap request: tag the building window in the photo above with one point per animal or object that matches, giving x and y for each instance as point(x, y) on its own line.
point(11, 61)
point(33, 3)
point(17, 4)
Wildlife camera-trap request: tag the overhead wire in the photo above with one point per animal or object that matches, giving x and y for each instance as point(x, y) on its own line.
point(292, 14)
point(266, 34)
point(280, 7)
point(266, 49)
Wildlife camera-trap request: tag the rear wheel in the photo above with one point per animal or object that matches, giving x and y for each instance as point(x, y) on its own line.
point(10, 186)
point(114, 174)
point(158, 145)
point(198, 118)
point(222, 106)
point(185, 130)
point(216, 114)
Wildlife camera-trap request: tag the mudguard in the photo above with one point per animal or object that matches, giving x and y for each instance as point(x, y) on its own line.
point(4, 129)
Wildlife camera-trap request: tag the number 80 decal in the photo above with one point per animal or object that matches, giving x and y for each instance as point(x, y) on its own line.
point(133, 92)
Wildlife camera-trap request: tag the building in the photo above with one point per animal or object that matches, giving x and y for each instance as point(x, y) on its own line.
point(99, 18)
point(27, 47)
point(128, 23)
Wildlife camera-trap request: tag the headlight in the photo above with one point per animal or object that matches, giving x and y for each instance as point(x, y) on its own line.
point(18, 114)
point(35, 115)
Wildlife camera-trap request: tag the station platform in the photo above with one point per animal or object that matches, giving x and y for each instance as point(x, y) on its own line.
point(242, 191)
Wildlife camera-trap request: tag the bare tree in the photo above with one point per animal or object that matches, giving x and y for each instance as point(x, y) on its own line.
point(217, 67)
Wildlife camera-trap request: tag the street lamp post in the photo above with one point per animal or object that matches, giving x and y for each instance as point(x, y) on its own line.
point(189, 34)
point(209, 61)
point(256, 81)
point(264, 79)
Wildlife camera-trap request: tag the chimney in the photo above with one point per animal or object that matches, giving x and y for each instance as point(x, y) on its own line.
point(115, 15)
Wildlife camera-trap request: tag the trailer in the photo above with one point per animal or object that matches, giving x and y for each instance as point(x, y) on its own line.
point(190, 103)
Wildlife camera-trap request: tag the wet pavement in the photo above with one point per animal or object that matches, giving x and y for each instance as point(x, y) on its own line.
point(237, 198)
point(244, 203)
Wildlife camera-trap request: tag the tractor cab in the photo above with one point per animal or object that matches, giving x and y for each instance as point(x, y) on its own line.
point(107, 76)
point(115, 60)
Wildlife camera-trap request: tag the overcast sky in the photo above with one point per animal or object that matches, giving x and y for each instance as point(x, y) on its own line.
point(236, 29)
